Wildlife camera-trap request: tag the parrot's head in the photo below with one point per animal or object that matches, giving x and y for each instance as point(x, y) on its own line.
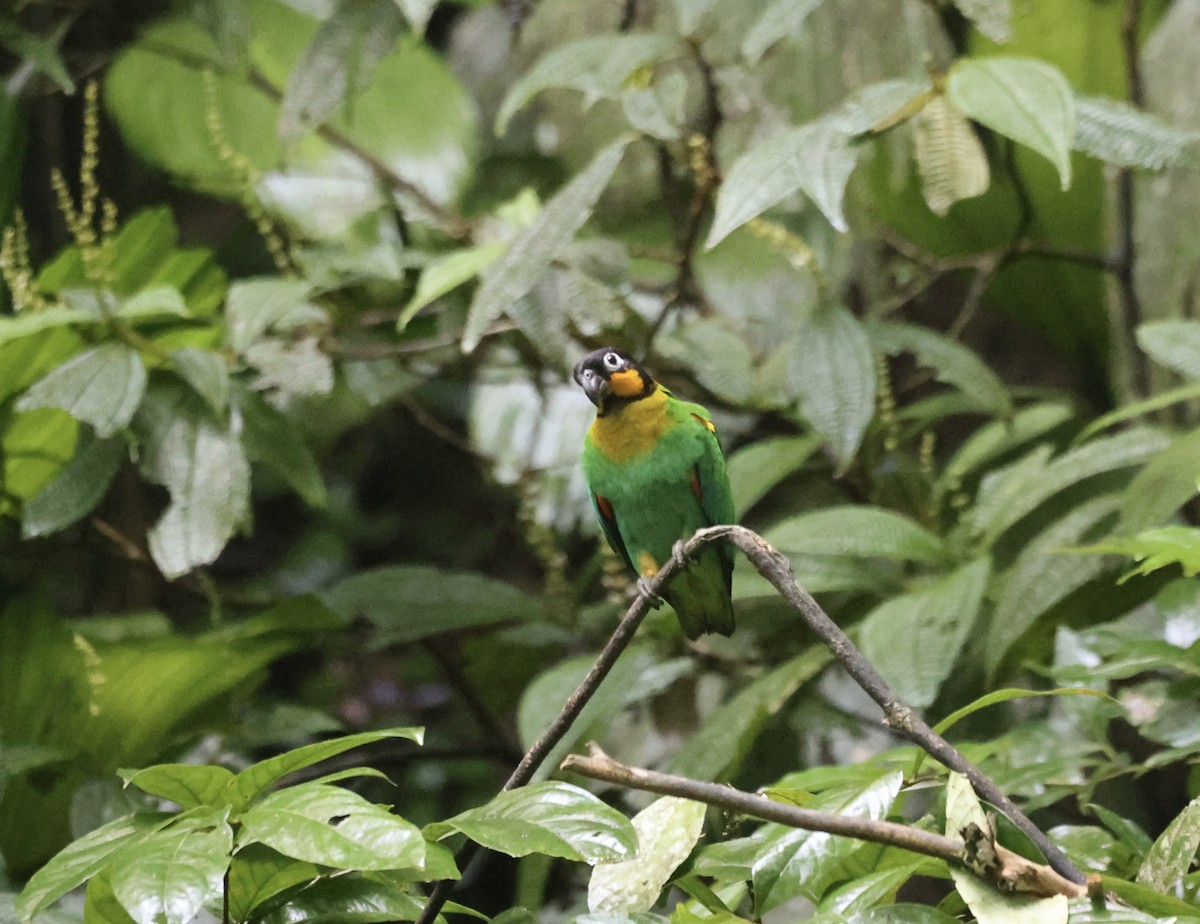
point(608, 377)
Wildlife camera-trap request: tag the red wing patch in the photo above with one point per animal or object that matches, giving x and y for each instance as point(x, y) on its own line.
point(697, 488)
point(712, 427)
point(606, 509)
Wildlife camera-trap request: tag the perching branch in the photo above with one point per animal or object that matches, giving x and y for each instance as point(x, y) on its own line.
point(977, 850)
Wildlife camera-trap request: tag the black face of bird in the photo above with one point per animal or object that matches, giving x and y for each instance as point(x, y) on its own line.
point(608, 371)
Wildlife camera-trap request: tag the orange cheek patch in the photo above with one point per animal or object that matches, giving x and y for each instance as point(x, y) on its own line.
point(626, 383)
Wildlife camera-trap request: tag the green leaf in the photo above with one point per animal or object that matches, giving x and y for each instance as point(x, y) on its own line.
point(446, 274)
point(816, 159)
point(950, 160)
point(1139, 409)
point(756, 469)
point(256, 306)
point(535, 247)
point(207, 372)
point(951, 362)
point(728, 731)
point(1146, 899)
point(1043, 576)
point(914, 639)
point(188, 785)
point(600, 67)
point(1120, 134)
point(832, 370)
point(1165, 484)
point(203, 467)
point(993, 18)
point(794, 862)
point(1021, 98)
point(256, 778)
point(76, 490)
point(102, 386)
point(270, 438)
point(667, 830)
point(338, 63)
point(551, 818)
point(780, 20)
point(1173, 344)
point(257, 874)
point(100, 904)
point(84, 858)
point(1171, 856)
point(170, 876)
point(154, 304)
point(349, 900)
point(868, 532)
point(330, 826)
point(1154, 549)
point(406, 603)
point(1002, 436)
point(13, 327)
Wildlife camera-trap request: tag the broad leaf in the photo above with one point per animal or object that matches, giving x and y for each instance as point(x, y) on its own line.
point(330, 826)
point(868, 532)
point(556, 819)
point(951, 362)
point(1154, 549)
point(1121, 134)
point(599, 67)
point(1172, 854)
point(756, 469)
point(347, 900)
point(406, 603)
point(1002, 436)
point(446, 274)
point(256, 778)
point(102, 386)
point(207, 372)
point(256, 306)
point(950, 160)
point(1021, 98)
point(667, 830)
point(187, 785)
point(170, 876)
point(1174, 344)
point(914, 639)
point(27, 323)
point(257, 874)
point(271, 438)
point(780, 20)
point(101, 905)
point(77, 489)
point(1163, 485)
point(833, 372)
point(533, 249)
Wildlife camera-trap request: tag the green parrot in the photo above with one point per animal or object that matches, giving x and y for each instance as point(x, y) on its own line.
point(656, 474)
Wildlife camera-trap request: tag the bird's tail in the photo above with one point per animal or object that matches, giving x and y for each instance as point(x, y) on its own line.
point(700, 596)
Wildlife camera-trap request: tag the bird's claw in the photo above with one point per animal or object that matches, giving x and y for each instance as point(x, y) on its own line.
point(679, 551)
point(645, 588)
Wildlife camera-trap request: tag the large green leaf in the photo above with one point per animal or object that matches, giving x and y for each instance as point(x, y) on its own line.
point(555, 819)
point(1024, 99)
point(1172, 854)
point(868, 532)
point(256, 778)
point(271, 438)
point(446, 274)
point(331, 826)
point(756, 469)
point(599, 67)
point(256, 306)
point(169, 876)
point(1163, 485)
point(101, 905)
point(1120, 134)
point(536, 246)
point(188, 785)
point(1174, 344)
point(1003, 436)
point(202, 464)
point(410, 602)
point(950, 361)
point(77, 489)
point(833, 372)
point(257, 874)
point(914, 639)
point(347, 900)
point(102, 386)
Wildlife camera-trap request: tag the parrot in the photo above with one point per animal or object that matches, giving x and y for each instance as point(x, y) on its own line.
point(656, 474)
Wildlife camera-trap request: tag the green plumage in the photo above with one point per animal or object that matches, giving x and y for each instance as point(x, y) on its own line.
point(661, 494)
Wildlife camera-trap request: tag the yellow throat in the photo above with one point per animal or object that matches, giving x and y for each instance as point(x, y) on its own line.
point(633, 428)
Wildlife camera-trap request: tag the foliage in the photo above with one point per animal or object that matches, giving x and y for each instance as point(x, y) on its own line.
point(288, 443)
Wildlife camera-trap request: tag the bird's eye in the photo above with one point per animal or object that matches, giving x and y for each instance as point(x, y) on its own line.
point(612, 361)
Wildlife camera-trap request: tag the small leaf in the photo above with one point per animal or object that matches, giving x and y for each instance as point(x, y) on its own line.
point(330, 826)
point(1021, 98)
point(154, 303)
point(102, 386)
point(914, 639)
point(446, 274)
point(207, 372)
point(1120, 134)
point(1171, 856)
point(756, 469)
point(780, 20)
point(599, 67)
point(255, 306)
point(556, 819)
point(26, 323)
point(533, 249)
point(270, 438)
point(1163, 485)
point(993, 18)
point(867, 532)
point(76, 490)
point(1002, 436)
point(417, 12)
point(188, 785)
point(951, 362)
point(950, 160)
point(170, 876)
point(1154, 549)
point(1173, 344)
point(832, 370)
point(667, 830)
point(293, 367)
point(257, 874)
point(347, 900)
point(257, 777)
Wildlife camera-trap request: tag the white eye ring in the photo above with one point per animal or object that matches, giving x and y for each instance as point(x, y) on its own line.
point(612, 361)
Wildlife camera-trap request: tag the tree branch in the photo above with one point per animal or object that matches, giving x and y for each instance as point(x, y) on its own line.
point(1007, 871)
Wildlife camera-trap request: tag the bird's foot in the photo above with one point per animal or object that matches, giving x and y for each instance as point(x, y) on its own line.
point(679, 550)
point(646, 590)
